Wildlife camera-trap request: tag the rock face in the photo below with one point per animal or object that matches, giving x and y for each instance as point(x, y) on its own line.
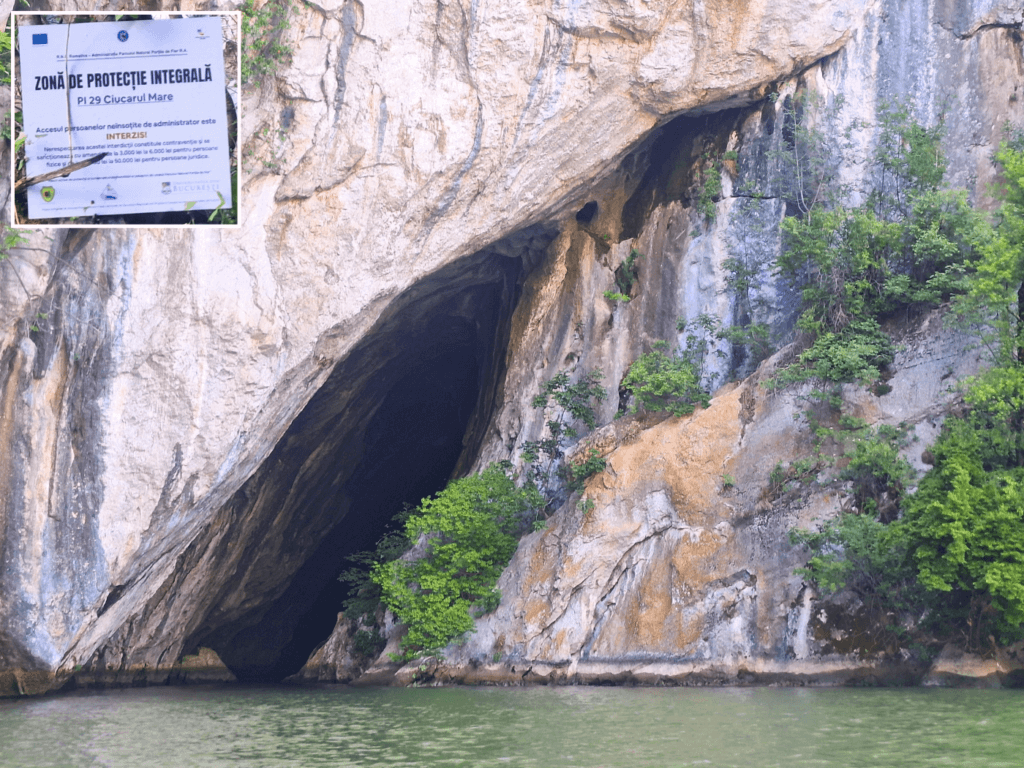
point(195, 425)
point(677, 575)
point(672, 577)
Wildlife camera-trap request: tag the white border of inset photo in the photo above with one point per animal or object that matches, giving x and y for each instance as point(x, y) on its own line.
point(227, 219)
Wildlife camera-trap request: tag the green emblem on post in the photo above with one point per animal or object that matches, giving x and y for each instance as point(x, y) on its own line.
point(47, 193)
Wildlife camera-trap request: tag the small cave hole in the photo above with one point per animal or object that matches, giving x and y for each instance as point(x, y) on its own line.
point(287, 115)
point(586, 214)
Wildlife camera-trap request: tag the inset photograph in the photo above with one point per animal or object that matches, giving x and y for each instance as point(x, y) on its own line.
point(125, 119)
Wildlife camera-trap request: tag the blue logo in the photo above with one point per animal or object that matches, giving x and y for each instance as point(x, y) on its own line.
point(39, 39)
point(122, 35)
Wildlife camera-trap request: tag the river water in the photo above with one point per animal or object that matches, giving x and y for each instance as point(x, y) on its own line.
point(262, 727)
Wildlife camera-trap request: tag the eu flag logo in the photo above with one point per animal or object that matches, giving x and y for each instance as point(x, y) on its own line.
point(39, 39)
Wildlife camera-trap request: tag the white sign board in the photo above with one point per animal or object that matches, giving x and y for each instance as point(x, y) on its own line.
point(148, 93)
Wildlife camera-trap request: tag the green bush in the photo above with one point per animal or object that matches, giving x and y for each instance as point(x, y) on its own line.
point(956, 555)
point(575, 473)
point(858, 353)
point(368, 643)
point(858, 552)
point(661, 381)
point(879, 473)
point(5, 54)
point(756, 337)
point(953, 556)
point(911, 246)
point(627, 273)
point(467, 532)
point(709, 186)
point(966, 520)
point(909, 160)
point(364, 596)
point(995, 299)
point(811, 152)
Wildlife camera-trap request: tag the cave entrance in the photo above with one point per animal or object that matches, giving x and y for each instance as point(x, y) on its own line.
point(405, 411)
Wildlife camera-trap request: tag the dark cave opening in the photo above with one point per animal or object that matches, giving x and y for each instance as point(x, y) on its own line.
point(586, 214)
point(673, 155)
point(401, 414)
point(412, 445)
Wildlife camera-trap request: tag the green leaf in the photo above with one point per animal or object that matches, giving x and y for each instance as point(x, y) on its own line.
point(214, 211)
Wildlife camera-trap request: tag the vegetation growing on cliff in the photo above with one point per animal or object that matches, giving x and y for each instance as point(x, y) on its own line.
point(451, 549)
point(626, 275)
point(910, 246)
point(565, 404)
point(673, 380)
point(5, 54)
point(661, 380)
point(709, 185)
point(953, 552)
point(467, 534)
point(261, 32)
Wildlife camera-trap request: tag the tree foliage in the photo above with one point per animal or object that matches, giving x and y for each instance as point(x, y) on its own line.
point(878, 472)
point(567, 404)
point(993, 302)
point(661, 380)
point(958, 547)
point(858, 269)
point(451, 549)
point(911, 246)
point(364, 593)
point(5, 53)
point(261, 33)
point(467, 534)
point(626, 274)
point(708, 182)
point(811, 154)
point(857, 552)
point(576, 471)
point(908, 161)
point(966, 520)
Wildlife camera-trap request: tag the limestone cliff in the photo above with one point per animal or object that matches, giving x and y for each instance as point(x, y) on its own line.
point(676, 575)
point(673, 576)
point(198, 426)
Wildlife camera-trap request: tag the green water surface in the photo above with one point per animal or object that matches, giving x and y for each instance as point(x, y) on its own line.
point(547, 727)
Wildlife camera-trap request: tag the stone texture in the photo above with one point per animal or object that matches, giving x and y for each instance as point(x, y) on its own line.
point(670, 578)
point(400, 139)
point(673, 576)
point(954, 668)
point(162, 483)
point(334, 661)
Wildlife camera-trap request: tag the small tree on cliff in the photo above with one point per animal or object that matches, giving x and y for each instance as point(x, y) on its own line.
point(568, 404)
point(462, 539)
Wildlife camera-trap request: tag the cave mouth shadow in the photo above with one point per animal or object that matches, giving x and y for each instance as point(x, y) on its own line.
point(402, 413)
